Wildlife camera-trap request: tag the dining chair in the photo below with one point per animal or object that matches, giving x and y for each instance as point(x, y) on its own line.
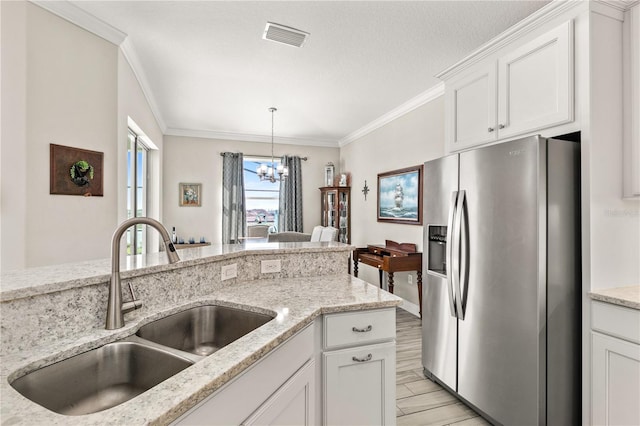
point(258, 231)
point(316, 233)
point(329, 234)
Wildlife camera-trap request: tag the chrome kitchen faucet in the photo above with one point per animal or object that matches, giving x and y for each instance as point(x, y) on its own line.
point(115, 307)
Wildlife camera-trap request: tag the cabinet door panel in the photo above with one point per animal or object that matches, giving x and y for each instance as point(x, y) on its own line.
point(360, 392)
point(292, 404)
point(615, 386)
point(535, 83)
point(470, 104)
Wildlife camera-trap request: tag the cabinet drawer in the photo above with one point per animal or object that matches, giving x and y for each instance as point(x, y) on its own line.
point(356, 328)
point(616, 321)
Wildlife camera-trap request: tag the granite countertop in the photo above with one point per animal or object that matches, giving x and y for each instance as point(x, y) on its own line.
point(295, 301)
point(48, 279)
point(628, 296)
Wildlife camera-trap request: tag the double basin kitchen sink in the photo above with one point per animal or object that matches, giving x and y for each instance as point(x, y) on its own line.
point(116, 372)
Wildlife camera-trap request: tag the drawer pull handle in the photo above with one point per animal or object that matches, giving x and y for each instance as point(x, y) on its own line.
point(368, 358)
point(362, 330)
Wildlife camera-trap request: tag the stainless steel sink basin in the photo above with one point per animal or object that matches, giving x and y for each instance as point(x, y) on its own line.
point(204, 329)
point(99, 379)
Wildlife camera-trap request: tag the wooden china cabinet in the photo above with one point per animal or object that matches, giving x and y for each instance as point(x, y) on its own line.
point(336, 210)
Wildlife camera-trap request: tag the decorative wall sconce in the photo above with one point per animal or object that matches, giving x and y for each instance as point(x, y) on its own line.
point(365, 190)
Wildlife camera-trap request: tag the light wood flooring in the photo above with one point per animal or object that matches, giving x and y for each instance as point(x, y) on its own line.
point(420, 401)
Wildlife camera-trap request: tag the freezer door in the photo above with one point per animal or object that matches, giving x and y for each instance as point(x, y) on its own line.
point(438, 319)
point(501, 340)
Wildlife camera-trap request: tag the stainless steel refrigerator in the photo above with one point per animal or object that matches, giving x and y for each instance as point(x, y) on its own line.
point(501, 304)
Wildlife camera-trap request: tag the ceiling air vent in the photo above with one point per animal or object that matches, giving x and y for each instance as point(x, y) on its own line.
point(285, 35)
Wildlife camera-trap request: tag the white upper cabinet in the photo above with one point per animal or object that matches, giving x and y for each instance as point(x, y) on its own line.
point(471, 104)
point(527, 88)
point(535, 84)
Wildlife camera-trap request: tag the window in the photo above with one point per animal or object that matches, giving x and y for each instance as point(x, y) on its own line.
point(262, 198)
point(137, 155)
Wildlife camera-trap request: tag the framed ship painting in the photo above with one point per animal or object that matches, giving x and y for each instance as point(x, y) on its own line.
point(400, 196)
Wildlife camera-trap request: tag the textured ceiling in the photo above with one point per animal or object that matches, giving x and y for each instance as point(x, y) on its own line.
point(209, 69)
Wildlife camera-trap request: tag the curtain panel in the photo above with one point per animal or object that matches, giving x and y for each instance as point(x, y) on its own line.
point(233, 203)
point(290, 218)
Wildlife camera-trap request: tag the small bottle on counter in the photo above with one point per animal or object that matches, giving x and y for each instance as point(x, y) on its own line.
point(174, 237)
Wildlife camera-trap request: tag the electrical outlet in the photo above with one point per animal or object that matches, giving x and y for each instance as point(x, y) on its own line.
point(270, 266)
point(229, 271)
point(410, 279)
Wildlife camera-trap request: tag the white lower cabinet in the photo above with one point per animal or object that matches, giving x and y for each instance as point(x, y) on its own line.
point(359, 385)
point(264, 388)
point(615, 361)
point(292, 404)
point(354, 353)
point(359, 368)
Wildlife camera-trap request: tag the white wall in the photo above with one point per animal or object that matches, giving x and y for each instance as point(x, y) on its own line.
point(71, 87)
point(13, 147)
point(133, 104)
point(407, 141)
point(198, 160)
point(63, 85)
point(614, 222)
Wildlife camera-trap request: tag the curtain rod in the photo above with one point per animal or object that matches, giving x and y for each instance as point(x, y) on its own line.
point(262, 156)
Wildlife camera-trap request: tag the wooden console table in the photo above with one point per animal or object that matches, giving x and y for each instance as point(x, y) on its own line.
point(391, 257)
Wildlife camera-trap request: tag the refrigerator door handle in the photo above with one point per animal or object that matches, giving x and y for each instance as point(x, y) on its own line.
point(449, 254)
point(455, 254)
point(461, 263)
point(464, 252)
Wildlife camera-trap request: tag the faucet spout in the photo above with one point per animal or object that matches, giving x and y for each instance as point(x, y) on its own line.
point(115, 307)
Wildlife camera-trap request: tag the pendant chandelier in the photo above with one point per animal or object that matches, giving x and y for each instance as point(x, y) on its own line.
point(268, 173)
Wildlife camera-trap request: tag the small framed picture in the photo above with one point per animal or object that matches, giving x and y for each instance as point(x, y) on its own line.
point(75, 171)
point(190, 194)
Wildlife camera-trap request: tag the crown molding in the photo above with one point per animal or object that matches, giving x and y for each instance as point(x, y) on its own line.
point(83, 19)
point(247, 137)
point(621, 5)
point(612, 8)
point(131, 56)
point(410, 105)
point(525, 26)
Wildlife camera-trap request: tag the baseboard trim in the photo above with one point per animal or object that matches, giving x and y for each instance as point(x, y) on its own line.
point(412, 308)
